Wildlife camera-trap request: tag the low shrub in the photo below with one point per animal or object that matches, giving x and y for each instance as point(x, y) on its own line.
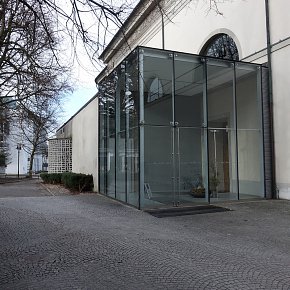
point(77, 181)
point(53, 178)
point(44, 177)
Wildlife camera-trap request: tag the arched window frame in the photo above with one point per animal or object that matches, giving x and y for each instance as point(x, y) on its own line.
point(221, 46)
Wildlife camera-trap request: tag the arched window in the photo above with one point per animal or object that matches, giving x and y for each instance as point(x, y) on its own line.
point(155, 90)
point(221, 46)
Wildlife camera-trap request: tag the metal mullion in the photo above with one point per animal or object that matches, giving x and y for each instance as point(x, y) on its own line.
point(99, 147)
point(141, 125)
point(173, 164)
point(179, 168)
point(126, 136)
point(205, 124)
point(173, 90)
point(138, 129)
point(262, 126)
point(236, 128)
point(117, 115)
point(173, 131)
point(106, 146)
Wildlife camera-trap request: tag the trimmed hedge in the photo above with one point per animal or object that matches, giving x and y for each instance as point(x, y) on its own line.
point(53, 178)
point(77, 181)
point(74, 181)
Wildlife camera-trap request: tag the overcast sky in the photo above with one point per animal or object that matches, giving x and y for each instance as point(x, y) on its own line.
point(85, 89)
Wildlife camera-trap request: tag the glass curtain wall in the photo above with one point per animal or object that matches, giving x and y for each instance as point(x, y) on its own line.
point(157, 78)
point(180, 129)
point(121, 133)
point(119, 138)
point(132, 129)
point(107, 136)
point(190, 123)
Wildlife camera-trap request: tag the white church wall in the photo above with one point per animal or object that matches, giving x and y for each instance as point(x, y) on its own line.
point(281, 98)
point(279, 20)
point(85, 141)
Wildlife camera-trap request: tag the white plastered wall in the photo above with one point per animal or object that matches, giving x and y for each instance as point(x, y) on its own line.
point(279, 20)
point(280, 33)
point(189, 30)
point(281, 98)
point(85, 141)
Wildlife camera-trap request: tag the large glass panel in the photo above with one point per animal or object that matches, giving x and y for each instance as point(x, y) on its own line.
point(102, 169)
point(190, 165)
point(174, 166)
point(110, 166)
point(221, 131)
point(158, 169)
point(189, 74)
point(132, 129)
point(191, 150)
point(132, 156)
point(222, 164)
point(131, 90)
point(102, 140)
point(250, 148)
point(121, 167)
point(157, 79)
point(121, 99)
point(110, 128)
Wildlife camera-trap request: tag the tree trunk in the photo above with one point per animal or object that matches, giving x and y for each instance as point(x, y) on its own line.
point(31, 161)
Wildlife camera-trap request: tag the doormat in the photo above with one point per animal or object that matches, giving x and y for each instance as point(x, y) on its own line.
point(180, 211)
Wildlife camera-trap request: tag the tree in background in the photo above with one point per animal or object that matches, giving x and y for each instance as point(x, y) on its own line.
point(29, 51)
point(32, 34)
point(37, 119)
point(32, 75)
point(4, 131)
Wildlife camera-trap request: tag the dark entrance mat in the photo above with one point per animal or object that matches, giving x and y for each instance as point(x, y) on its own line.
point(179, 211)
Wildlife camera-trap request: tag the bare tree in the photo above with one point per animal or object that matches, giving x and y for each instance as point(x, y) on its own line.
point(91, 23)
point(31, 72)
point(4, 150)
point(29, 51)
point(29, 41)
point(37, 119)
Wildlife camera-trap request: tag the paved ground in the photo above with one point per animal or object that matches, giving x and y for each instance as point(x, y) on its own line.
point(91, 242)
point(22, 188)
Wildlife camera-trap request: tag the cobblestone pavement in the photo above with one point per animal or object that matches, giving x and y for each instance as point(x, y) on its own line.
point(91, 242)
point(23, 188)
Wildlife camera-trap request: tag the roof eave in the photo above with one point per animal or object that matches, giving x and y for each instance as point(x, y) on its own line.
point(128, 28)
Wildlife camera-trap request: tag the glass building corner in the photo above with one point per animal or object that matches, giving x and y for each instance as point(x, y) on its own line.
point(180, 129)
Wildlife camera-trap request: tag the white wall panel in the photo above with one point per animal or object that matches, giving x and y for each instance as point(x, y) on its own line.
point(85, 141)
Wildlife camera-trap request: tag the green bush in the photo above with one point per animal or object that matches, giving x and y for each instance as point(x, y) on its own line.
point(77, 181)
point(66, 179)
point(44, 177)
point(53, 178)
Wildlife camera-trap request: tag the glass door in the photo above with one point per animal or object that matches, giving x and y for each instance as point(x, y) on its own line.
point(173, 124)
point(191, 166)
point(175, 166)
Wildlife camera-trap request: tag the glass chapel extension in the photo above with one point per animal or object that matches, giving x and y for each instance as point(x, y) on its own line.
point(181, 129)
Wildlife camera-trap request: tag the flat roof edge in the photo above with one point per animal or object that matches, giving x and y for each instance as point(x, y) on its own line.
point(86, 104)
